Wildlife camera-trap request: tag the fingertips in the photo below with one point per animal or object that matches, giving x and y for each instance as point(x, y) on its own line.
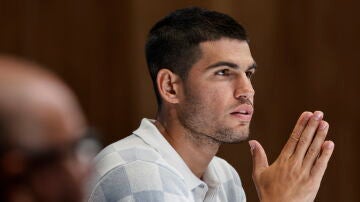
point(318, 115)
point(320, 165)
point(323, 125)
point(307, 135)
point(304, 118)
point(301, 123)
point(328, 145)
point(306, 115)
point(252, 144)
point(258, 155)
point(315, 120)
point(316, 145)
point(255, 147)
point(327, 150)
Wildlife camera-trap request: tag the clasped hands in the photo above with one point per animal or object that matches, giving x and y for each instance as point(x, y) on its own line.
point(297, 172)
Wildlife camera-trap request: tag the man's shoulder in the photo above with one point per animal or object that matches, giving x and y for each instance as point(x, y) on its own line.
point(123, 152)
point(132, 168)
point(139, 178)
point(225, 171)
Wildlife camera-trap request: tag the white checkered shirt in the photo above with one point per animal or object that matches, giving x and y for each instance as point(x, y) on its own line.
point(144, 167)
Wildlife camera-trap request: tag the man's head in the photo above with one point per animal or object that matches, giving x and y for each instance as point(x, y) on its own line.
point(174, 42)
point(200, 63)
point(41, 126)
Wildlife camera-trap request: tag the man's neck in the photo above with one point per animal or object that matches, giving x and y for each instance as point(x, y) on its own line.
point(196, 152)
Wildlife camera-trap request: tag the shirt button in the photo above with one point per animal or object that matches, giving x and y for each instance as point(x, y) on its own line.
point(201, 186)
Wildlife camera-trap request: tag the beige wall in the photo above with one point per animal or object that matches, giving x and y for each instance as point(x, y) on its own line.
point(307, 52)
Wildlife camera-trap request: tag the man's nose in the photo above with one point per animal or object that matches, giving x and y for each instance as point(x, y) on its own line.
point(244, 88)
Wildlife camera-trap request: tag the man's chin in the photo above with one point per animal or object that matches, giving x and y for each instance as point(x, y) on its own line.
point(236, 141)
point(233, 137)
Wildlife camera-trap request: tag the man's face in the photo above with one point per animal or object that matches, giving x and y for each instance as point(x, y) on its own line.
point(217, 102)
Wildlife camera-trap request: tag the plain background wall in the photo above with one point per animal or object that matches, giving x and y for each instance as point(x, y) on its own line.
point(307, 52)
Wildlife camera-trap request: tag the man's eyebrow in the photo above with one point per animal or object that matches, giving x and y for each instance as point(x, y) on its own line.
point(223, 63)
point(231, 65)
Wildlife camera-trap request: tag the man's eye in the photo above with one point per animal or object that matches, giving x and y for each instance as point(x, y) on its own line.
point(249, 74)
point(224, 72)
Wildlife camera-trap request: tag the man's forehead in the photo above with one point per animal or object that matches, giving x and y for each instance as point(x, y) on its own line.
point(227, 50)
point(226, 44)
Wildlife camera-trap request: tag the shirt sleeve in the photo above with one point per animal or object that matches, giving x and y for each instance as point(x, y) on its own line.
point(140, 181)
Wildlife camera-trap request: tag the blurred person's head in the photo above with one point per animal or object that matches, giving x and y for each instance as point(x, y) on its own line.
point(42, 130)
point(174, 42)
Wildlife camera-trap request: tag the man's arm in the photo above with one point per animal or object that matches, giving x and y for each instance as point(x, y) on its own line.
point(297, 172)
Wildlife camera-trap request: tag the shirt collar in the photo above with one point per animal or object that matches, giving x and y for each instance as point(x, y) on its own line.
point(210, 176)
point(151, 135)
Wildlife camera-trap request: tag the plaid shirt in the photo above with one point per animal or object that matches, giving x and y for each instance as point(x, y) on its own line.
point(144, 167)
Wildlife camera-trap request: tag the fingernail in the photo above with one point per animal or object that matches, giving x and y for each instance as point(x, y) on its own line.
point(318, 115)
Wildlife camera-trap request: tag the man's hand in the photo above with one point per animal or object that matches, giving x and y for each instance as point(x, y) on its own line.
point(297, 172)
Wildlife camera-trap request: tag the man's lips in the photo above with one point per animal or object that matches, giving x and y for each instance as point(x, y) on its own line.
point(243, 112)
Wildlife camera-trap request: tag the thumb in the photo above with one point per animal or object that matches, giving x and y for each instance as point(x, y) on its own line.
point(258, 156)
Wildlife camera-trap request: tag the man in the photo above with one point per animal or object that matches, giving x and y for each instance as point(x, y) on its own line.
point(43, 151)
point(201, 66)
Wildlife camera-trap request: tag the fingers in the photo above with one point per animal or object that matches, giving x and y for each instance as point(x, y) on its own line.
point(290, 146)
point(258, 156)
point(315, 147)
point(320, 165)
point(307, 135)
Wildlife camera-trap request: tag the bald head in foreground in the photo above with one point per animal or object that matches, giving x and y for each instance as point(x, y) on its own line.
point(42, 133)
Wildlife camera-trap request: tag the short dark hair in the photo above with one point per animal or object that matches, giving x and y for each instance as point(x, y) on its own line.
point(173, 42)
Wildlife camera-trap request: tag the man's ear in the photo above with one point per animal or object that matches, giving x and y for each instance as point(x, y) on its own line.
point(168, 85)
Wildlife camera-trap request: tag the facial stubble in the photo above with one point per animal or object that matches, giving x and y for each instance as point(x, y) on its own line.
point(204, 127)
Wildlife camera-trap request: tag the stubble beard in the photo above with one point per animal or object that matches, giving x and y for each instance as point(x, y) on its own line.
point(203, 128)
point(219, 136)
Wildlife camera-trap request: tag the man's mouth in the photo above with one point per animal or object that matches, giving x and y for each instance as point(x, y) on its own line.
point(243, 112)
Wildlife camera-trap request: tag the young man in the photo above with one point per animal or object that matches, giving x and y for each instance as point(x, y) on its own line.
point(201, 66)
point(44, 155)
